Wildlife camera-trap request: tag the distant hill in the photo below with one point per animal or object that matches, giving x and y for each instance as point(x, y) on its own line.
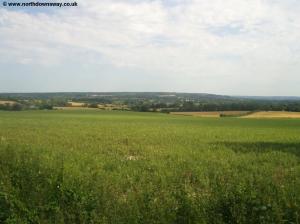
point(156, 101)
point(289, 98)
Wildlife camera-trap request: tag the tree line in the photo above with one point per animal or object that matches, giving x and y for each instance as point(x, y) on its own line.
point(220, 106)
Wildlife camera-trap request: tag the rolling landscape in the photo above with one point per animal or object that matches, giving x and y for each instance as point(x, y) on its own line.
point(81, 163)
point(150, 112)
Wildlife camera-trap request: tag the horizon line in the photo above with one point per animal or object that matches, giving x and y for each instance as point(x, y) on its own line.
point(180, 92)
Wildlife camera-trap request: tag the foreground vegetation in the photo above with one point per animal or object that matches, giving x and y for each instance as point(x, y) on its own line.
point(125, 167)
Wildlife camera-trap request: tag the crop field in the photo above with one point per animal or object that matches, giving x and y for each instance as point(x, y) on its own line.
point(93, 166)
point(273, 114)
point(6, 102)
point(76, 104)
point(75, 108)
point(212, 113)
point(242, 114)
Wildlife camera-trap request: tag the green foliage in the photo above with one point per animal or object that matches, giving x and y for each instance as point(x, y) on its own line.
point(45, 106)
point(125, 167)
point(12, 107)
point(93, 105)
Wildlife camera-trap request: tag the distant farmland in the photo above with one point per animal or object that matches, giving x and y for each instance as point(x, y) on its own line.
point(93, 166)
point(3, 102)
point(273, 114)
point(242, 114)
point(212, 113)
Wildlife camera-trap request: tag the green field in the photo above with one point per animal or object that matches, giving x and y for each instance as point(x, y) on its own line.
point(126, 167)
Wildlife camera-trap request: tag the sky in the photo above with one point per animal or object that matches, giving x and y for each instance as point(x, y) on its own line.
point(231, 47)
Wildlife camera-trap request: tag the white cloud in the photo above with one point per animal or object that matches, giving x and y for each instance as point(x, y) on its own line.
point(216, 41)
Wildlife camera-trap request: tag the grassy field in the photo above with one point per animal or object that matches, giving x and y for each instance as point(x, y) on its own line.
point(122, 167)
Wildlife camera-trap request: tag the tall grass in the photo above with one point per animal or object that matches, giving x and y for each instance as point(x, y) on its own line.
point(124, 167)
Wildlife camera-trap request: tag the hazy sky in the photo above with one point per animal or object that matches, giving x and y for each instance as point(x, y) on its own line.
point(239, 47)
